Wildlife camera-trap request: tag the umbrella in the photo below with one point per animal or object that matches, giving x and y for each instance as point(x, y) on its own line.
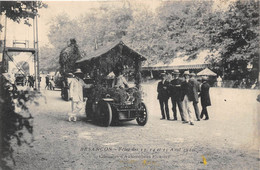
point(206, 72)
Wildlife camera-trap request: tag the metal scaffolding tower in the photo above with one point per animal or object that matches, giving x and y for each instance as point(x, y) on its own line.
point(34, 51)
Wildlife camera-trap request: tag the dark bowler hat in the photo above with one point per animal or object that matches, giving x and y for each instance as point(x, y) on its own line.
point(175, 72)
point(78, 71)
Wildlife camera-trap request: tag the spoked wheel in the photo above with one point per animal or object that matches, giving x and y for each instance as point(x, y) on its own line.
point(104, 112)
point(143, 117)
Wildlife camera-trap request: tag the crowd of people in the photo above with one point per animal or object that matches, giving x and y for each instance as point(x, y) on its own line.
point(185, 94)
point(30, 81)
point(244, 83)
point(49, 80)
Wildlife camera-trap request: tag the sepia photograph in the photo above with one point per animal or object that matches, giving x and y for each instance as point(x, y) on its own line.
point(129, 84)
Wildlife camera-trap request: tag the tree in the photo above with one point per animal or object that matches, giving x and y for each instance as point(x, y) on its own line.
point(234, 33)
point(184, 23)
point(18, 11)
point(49, 58)
point(194, 26)
point(145, 35)
point(62, 28)
point(105, 25)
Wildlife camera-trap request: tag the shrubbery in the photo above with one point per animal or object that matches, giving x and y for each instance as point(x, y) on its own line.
point(15, 118)
point(120, 96)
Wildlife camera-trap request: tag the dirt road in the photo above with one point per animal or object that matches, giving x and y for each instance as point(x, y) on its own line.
point(227, 141)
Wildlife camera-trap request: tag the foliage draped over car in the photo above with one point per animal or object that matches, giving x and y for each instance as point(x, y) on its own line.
point(120, 95)
point(68, 57)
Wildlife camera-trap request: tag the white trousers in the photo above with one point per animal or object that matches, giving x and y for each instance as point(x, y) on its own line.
point(77, 106)
point(187, 109)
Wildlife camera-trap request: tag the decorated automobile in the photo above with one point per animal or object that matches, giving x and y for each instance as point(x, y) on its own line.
point(110, 98)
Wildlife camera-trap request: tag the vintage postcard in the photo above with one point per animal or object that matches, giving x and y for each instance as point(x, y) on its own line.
point(120, 84)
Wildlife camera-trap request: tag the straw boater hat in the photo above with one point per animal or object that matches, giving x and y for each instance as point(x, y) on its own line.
point(69, 74)
point(78, 71)
point(176, 72)
point(204, 78)
point(192, 74)
point(186, 73)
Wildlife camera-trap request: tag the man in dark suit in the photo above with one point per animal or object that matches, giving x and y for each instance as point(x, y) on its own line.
point(31, 81)
point(205, 98)
point(163, 96)
point(175, 94)
point(196, 89)
point(47, 81)
point(187, 98)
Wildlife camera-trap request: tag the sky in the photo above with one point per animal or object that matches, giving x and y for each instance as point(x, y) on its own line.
point(73, 9)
